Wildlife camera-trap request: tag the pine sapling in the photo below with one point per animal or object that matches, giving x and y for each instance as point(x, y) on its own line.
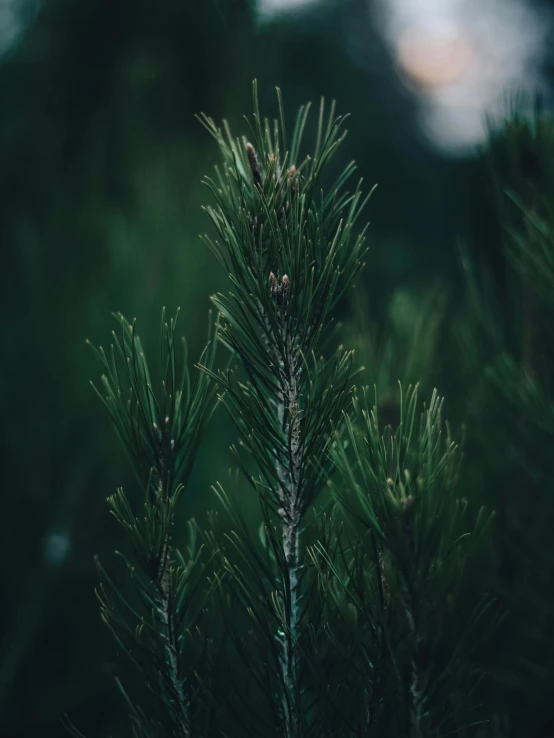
point(356, 618)
point(155, 623)
point(407, 569)
point(290, 252)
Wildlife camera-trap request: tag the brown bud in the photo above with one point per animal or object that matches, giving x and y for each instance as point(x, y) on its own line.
point(272, 282)
point(292, 179)
point(254, 166)
point(284, 290)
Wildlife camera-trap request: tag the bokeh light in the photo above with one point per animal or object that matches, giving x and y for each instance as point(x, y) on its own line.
point(460, 58)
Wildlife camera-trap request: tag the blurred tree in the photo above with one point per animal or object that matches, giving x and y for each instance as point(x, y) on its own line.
point(506, 366)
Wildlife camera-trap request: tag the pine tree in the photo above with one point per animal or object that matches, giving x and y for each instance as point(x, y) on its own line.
point(402, 578)
point(352, 612)
point(290, 252)
point(160, 432)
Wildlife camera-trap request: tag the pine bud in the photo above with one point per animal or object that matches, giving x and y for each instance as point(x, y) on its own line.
point(407, 503)
point(293, 182)
point(272, 282)
point(254, 165)
point(283, 294)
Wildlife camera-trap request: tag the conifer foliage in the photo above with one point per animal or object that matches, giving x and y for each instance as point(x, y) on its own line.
point(401, 580)
point(160, 433)
point(290, 252)
point(344, 616)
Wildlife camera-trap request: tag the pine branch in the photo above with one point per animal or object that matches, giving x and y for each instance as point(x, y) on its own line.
point(272, 220)
point(290, 510)
point(162, 582)
point(398, 485)
point(183, 703)
point(160, 432)
point(415, 680)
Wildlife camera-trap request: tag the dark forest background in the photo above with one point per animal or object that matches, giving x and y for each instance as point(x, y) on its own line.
point(101, 162)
